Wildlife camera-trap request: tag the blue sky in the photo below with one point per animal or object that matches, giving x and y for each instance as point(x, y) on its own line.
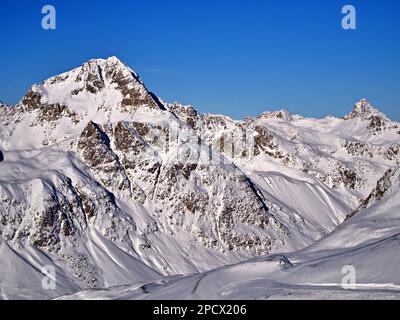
point(233, 57)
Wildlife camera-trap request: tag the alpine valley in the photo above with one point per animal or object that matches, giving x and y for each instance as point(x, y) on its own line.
point(127, 196)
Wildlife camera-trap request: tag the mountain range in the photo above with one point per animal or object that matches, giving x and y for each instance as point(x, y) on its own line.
point(128, 196)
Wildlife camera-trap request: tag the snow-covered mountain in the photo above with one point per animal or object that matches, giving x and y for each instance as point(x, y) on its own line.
point(369, 242)
point(116, 188)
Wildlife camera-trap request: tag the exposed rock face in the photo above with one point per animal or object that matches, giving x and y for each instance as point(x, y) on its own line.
point(189, 114)
point(140, 161)
point(357, 148)
point(393, 153)
point(360, 149)
point(390, 180)
point(183, 191)
point(282, 115)
point(94, 147)
point(45, 112)
point(209, 211)
point(388, 183)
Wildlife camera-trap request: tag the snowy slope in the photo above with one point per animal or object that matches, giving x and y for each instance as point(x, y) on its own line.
point(115, 187)
point(369, 241)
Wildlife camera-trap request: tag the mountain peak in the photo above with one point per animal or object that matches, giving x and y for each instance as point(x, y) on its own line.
point(363, 110)
point(96, 83)
point(280, 114)
point(114, 59)
point(363, 106)
point(111, 66)
point(110, 60)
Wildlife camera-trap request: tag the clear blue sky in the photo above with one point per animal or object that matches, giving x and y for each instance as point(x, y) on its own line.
point(228, 56)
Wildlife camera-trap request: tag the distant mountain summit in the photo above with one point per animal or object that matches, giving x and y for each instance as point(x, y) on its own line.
point(99, 84)
point(365, 111)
